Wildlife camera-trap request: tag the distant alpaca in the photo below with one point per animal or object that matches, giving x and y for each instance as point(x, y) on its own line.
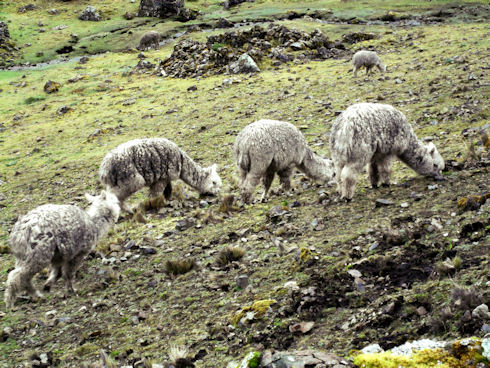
point(153, 162)
point(368, 59)
point(59, 236)
point(374, 134)
point(151, 38)
point(267, 146)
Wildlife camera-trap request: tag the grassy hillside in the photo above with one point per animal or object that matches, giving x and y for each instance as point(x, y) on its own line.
point(427, 245)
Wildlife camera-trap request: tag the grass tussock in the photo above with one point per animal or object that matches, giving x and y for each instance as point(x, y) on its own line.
point(153, 204)
point(226, 205)
point(179, 266)
point(228, 255)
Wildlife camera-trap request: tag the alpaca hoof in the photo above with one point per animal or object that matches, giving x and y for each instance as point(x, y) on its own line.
point(47, 287)
point(385, 185)
point(440, 178)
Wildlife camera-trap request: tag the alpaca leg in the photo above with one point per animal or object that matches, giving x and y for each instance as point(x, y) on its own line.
point(68, 273)
point(338, 174)
point(157, 189)
point(248, 186)
point(384, 168)
point(348, 180)
point(125, 189)
point(267, 181)
point(13, 286)
point(242, 175)
point(54, 275)
point(285, 179)
point(373, 173)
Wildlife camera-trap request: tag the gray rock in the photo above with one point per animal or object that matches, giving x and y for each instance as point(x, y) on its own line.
point(380, 202)
point(4, 32)
point(242, 281)
point(302, 359)
point(90, 13)
point(245, 64)
point(160, 8)
point(481, 312)
point(185, 224)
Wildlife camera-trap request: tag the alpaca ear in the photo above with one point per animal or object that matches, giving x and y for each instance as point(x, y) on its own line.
point(214, 167)
point(89, 198)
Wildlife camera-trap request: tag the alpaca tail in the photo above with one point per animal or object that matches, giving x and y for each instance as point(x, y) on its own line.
point(243, 160)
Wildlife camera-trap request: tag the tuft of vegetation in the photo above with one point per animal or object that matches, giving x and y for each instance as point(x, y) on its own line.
point(228, 255)
point(179, 266)
point(32, 99)
point(259, 308)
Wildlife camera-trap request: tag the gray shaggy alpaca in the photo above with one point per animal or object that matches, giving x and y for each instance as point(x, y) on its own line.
point(151, 38)
point(153, 162)
point(374, 134)
point(267, 146)
point(368, 59)
point(59, 236)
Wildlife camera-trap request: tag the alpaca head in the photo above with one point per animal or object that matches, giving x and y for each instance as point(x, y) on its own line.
point(432, 163)
point(104, 202)
point(212, 183)
point(381, 67)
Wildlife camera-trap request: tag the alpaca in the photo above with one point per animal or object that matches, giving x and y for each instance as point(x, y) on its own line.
point(368, 59)
point(268, 146)
point(59, 236)
point(374, 134)
point(153, 162)
point(149, 39)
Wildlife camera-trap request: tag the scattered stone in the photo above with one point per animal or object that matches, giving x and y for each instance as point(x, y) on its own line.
point(129, 15)
point(301, 327)
point(357, 37)
point(372, 349)
point(59, 28)
point(63, 110)
point(291, 285)
point(229, 3)
point(302, 359)
point(421, 311)
point(380, 202)
point(4, 32)
point(242, 281)
point(26, 8)
point(404, 205)
point(185, 224)
point(53, 11)
point(90, 13)
point(481, 312)
point(83, 60)
point(192, 88)
point(410, 347)
point(354, 273)
point(224, 23)
point(245, 64)
point(148, 251)
point(51, 86)
point(432, 187)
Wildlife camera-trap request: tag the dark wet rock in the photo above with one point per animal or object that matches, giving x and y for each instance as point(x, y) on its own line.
point(51, 86)
point(145, 65)
point(4, 32)
point(192, 88)
point(148, 251)
point(302, 359)
point(242, 281)
point(160, 8)
point(90, 13)
point(185, 224)
point(224, 23)
point(244, 64)
point(278, 214)
point(84, 60)
point(357, 37)
point(229, 3)
point(129, 15)
point(63, 110)
point(26, 8)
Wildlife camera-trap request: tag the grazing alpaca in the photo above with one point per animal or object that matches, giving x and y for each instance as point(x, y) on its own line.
point(268, 146)
point(153, 162)
point(59, 236)
point(367, 59)
point(374, 134)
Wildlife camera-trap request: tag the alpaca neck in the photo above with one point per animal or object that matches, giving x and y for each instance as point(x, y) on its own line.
point(414, 155)
point(314, 166)
point(103, 221)
point(191, 173)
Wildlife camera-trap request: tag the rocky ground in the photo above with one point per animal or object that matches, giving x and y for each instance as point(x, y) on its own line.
point(306, 276)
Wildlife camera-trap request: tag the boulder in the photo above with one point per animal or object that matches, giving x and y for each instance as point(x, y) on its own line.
point(160, 8)
point(51, 86)
point(90, 13)
point(4, 32)
point(229, 3)
point(244, 64)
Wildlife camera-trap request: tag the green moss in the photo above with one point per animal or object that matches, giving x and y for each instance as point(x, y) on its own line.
point(259, 308)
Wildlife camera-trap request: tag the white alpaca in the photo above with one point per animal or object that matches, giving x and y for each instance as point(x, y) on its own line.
point(374, 134)
point(268, 146)
point(59, 236)
point(153, 162)
point(367, 59)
